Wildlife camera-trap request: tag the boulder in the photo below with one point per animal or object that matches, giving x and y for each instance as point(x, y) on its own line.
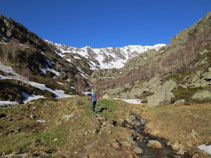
point(202, 95)
point(180, 102)
point(106, 96)
point(154, 82)
point(169, 85)
point(154, 144)
point(138, 150)
point(207, 75)
point(162, 94)
point(131, 118)
point(161, 97)
point(135, 92)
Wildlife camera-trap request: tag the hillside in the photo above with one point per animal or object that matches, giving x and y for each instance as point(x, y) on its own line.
point(179, 71)
point(26, 58)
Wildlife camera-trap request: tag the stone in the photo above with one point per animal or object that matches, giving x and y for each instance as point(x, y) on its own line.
point(160, 98)
point(169, 85)
point(154, 144)
point(116, 145)
point(135, 92)
point(95, 131)
point(67, 117)
point(202, 95)
point(9, 33)
point(154, 82)
point(162, 94)
point(207, 76)
point(2, 115)
point(131, 140)
point(106, 96)
point(193, 133)
point(180, 152)
point(131, 118)
point(180, 102)
point(138, 150)
point(136, 123)
point(176, 146)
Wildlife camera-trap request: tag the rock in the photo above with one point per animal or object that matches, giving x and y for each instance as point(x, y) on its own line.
point(106, 96)
point(138, 150)
point(177, 146)
point(131, 140)
point(127, 144)
point(131, 118)
point(207, 76)
point(2, 115)
point(34, 107)
point(67, 117)
point(154, 82)
point(116, 144)
point(55, 140)
point(169, 85)
point(135, 92)
point(180, 102)
point(161, 97)
point(95, 131)
point(180, 152)
point(162, 94)
point(193, 133)
point(154, 144)
point(9, 33)
point(202, 95)
point(120, 122)
point(201, 62)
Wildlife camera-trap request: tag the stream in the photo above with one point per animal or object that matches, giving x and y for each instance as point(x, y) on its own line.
point(166, 151)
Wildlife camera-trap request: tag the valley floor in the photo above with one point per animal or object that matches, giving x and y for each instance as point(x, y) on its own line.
point(67, 128)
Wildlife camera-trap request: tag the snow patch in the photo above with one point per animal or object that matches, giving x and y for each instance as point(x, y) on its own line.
point(29, 98)
point(41, 121)
point(58, 93)
point(43, 70)
point(87, 93)
point(60, 83)
point(130, 101)
point(205, 148)
point(5, 103)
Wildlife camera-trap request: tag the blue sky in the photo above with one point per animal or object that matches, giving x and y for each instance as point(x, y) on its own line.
point(105, 23)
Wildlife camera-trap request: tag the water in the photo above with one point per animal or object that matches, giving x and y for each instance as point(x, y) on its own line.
point(165, 152)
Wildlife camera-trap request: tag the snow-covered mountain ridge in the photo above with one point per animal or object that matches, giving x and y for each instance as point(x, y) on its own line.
point(104, 58)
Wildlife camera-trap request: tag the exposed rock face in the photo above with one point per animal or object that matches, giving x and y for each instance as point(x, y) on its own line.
point(174, 72)
point(202, 95)
point(162, 94)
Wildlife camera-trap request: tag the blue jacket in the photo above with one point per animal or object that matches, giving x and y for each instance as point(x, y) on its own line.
point(93, 97)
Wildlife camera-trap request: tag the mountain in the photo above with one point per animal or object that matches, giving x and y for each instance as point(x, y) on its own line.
point(30, 67)
point(103, 58)
point(180, 71)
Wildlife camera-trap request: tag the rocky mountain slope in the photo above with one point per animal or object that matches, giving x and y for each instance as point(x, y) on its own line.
point(26, 58)
point(180, 71)
point(103, 58)
point(29, 65)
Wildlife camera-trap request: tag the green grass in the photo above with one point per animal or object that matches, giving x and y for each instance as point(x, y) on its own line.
point(185, 93)
point(19, 142)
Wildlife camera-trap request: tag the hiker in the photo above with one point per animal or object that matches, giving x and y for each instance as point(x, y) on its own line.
point(93, 98)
